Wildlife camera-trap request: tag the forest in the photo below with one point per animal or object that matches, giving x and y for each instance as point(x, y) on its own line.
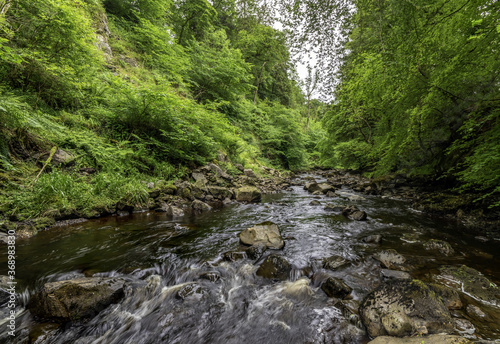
point(100, 97)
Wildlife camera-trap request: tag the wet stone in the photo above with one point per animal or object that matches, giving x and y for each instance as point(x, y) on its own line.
point(334, 262)
point(476, 312)
point(333, 207)
point(401, 308)
point(391, 259)
point(410, 238)
point(393, 274)
point(256, 251)
point(441, 246)
point(275, 267)
point(315, 203)
point(358, 215)
point(349, 210)
point(212, 276)
point(233, 256)
point(470, 281)
point(335, 287)
point(372, 239)
point(190, 290)
point(464, 326)
point(267, 233)
point(76, 299)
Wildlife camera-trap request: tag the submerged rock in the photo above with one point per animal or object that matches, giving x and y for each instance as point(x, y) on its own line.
point(298, 289)
point(78, 299)
point(391, 259)
point(275, 267)
point(248, 194)
point(335, 287)
point(441, 246)
point(372, 239)
point(266, 233)
point(402, 308)
point(315, 203)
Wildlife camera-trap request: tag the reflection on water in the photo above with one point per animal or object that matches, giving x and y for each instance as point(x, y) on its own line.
point(167, 254)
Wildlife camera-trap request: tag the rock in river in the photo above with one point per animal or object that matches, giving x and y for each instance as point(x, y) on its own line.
point(334, 262)
point(248, 194)
point(471, 282)
point(402, 308)
point(334, 287)
point(391, 259)
point(267, 233)
point(275, 267)
point(77, 299)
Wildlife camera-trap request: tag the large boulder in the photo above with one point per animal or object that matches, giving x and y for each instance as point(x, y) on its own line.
point(77, 299)
point(248, 194)
point(274, 267)
point(266, 233)
point(401, 308)
point(470, 281)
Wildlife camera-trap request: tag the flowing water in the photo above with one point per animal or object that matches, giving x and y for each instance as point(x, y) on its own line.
point(166, 254)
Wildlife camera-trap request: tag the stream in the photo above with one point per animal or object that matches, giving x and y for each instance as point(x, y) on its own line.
point(168, 253)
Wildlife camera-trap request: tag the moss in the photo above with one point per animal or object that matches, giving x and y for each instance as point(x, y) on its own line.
point(43, 223)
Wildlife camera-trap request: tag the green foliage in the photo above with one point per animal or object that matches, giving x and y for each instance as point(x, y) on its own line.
point(217, 72)
point(139, 91)
point(193, 20)
point(418, 92)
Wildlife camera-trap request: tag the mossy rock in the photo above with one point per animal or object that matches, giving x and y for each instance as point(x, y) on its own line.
point(168, 189)
point(248, 194)
point(401, 308)
point(79, 299)
point(472, 282)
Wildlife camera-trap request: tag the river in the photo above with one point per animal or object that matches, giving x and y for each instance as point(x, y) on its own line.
point(167, 253)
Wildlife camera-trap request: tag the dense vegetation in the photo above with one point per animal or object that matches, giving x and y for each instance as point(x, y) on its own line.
point(417, 87)
point(139, 91)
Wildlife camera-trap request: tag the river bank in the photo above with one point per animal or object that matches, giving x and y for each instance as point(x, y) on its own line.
point(211, 186)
